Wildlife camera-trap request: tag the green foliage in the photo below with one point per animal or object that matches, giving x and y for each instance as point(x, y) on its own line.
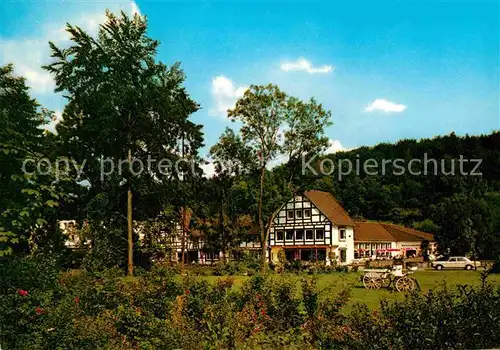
point(27, 197)
point(160, 310)
point(123, 103)
point(462, 210)
point(273, 125)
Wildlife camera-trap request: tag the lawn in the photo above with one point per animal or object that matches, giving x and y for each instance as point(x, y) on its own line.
point(332, 283)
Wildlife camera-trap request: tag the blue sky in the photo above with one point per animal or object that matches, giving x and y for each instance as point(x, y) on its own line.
point(386, 70)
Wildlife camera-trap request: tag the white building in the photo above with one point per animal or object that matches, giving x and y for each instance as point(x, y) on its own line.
point(377, 239)
point(313, 227)
point(309, 227)
point(70, 230)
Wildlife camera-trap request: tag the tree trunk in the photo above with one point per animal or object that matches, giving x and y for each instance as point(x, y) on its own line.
point(263, 241)
point(130, 265)
point(183, 240)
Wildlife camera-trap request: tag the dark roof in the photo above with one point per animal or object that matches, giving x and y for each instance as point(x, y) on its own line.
point(378, 231)
point(329, 206)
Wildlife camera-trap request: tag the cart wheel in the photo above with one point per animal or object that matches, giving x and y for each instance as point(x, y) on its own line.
point(405, 284)
point(372, 282)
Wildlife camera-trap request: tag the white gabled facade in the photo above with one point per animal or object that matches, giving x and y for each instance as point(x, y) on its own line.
point(305, 232)
point(311, 227)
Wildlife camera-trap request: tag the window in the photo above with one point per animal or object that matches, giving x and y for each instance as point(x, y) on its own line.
point(279, 235)
point(289, 235)
point(299, 234)
point(343, 255)
point(298, 214)
point(462, 259)
point(307, 213)
point(290, 214)
point(320, 234)
point(211, 256)
point(342, 234)
point(309, 234)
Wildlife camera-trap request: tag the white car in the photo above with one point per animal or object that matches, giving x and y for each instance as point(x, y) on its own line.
point(455, 262)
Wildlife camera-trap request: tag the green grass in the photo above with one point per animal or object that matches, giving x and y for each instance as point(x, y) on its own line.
point(332, 283)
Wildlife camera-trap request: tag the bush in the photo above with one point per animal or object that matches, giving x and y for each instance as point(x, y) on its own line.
point(162, 310)
point(229, 268)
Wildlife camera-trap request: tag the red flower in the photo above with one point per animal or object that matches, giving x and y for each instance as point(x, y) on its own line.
point(38, 310)
point(187, 292)
point(256, 330)
point(262, 312)
point(77, 300)
point(22, 292)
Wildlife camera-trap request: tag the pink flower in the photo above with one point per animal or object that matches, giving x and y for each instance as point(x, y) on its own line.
point(38, 310)
point(187, 292)
point(22, 292)
point(77, 300)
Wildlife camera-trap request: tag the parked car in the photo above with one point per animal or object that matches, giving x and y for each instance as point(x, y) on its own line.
point(455, 262)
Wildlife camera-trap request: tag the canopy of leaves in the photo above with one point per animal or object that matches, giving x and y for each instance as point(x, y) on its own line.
point(26, 196)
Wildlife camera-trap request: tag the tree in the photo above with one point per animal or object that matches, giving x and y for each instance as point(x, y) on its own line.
point(123, 106)
point(274, 126)
point(27, 196)
point(262, 110)
point(305, 132)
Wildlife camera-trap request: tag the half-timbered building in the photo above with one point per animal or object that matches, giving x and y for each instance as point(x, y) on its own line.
point(309, 227)
point(313, 227)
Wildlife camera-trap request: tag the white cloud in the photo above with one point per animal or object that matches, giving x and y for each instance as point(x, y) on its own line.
point(304, 65)
point(224, 94)
point(28, 54)
point(383, 105)
point(134, 8)
point(334, 147)
point(56, 119)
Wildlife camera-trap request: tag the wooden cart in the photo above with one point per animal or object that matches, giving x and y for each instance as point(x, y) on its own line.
point(384, 278)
